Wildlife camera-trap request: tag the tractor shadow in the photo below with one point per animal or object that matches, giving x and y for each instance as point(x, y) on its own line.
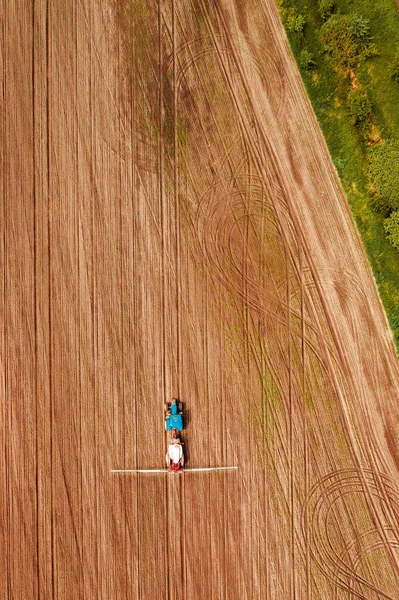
point(184, 435)
point(186, 427)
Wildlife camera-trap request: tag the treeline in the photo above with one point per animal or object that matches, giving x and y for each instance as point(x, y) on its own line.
point(348, 54)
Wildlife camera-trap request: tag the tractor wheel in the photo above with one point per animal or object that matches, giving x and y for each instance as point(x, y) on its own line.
point(182, 461)
point(167, 460)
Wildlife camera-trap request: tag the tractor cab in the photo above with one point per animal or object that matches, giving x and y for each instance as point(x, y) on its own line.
point(173, 416)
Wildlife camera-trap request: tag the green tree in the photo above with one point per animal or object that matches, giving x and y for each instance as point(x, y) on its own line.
point(391, 226)
point(384, 172)
point(394, 67)
point(359, 106)
point(347, 39)
point(338, 42)
point(359, 30)
point(326, 8)
point(380, 205)
point(295, 23)
point(306, 60)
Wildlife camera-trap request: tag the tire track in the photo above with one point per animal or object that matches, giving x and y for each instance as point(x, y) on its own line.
point(243, 268)
point(240, 282)
point(213, 225)
point(305, 431)
point(347, 286)
point(163, 269)
point(291, 435)
point(356, 450)
point(188, 53)
point(362, 553)
point(322, 498)
point(135, 539)
point(178, 282)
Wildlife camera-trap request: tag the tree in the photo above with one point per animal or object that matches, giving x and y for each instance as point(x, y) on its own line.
point(306, 60)
point(384, 172)
point(326, 8)
point(295, 23)
point(380, 205)
point(359, 106)
point(359, 30)
point(338, 42)
point(391, 226)
point(394, 67)
point(347, 39)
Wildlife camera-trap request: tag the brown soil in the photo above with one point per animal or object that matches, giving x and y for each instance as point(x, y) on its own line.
point(173, 226)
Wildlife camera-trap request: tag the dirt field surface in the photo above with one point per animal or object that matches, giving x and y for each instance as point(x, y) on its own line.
point(172, 225)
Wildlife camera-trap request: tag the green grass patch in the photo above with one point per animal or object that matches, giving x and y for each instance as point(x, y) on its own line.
point(334, 75)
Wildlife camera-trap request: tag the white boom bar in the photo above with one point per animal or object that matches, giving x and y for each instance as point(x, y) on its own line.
point(139, 470)
point(212, 469)
point(166, 471)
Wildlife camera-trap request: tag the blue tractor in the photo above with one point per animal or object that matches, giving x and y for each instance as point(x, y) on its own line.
point(173, 416)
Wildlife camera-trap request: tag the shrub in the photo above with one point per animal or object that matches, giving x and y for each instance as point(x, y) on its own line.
point(326, 8)
point(295, 23)
point(306, 59)
point(339, 163)
point(369, 51)
point(380, 205)
point(359, 106)
point(359, 30)
point(391, 226)
point(394, 321)
point(384, 161)
point(394, 68)
point(338, 41)
point(347, 39)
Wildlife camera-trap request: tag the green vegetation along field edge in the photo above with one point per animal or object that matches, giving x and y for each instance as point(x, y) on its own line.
point(348, 56)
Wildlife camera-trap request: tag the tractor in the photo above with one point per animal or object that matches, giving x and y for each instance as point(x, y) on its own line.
point(174, 424)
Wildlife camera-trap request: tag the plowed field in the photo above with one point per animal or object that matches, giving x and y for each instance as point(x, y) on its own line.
point(172, 226)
